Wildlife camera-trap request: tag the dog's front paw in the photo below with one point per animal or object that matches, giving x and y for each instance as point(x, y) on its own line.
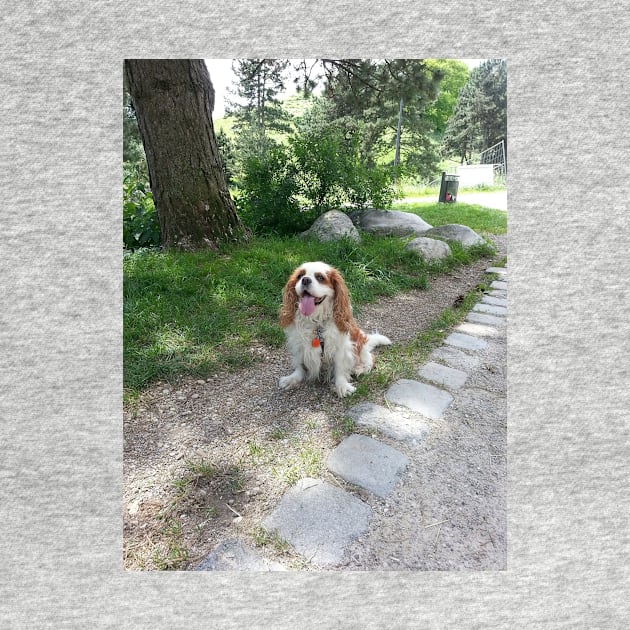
point(286, 382)
point(343, 389)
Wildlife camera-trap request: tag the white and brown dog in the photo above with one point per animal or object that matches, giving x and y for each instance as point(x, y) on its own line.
point(321, 331)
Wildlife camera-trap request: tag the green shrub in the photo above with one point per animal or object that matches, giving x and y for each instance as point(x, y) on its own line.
point(267, 202)
point(140, 222)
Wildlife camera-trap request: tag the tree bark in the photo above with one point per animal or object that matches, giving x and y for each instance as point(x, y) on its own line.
point(173, 100)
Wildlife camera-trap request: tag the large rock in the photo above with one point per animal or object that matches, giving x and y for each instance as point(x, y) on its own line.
point(392, 223)
point(332, 226)
point(429, 248)
point(455, 232)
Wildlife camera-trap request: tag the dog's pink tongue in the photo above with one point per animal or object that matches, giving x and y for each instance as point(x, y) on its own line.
point(307, 305)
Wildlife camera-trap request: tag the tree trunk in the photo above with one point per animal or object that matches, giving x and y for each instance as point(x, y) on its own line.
point(173, 100)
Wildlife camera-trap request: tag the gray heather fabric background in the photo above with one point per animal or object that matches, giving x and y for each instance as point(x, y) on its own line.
point(61, 332)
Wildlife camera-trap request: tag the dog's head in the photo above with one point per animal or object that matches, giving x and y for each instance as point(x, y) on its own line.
point(312, 288)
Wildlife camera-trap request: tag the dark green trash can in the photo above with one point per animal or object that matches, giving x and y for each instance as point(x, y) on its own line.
point(448, 188)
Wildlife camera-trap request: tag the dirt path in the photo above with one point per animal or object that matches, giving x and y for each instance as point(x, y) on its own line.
point(206, 460)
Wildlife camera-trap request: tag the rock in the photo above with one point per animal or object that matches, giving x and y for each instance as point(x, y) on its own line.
point(319, 520)
point(429, 248)
point(392, 223)
point(394, 424)
point(331, 226)
point(455, 232)
point(367, 463)
point(234, 555)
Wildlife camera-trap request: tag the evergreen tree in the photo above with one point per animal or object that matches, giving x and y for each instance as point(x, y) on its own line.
point(259, 81)
point(371, 90)
point(480, 116)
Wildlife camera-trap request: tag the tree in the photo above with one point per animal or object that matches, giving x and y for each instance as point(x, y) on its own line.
point(455, 75)
point(480, 116)
point(259, 81)
point(173, 100)
point(462, 130)
point(492, 82)
point(370, 91)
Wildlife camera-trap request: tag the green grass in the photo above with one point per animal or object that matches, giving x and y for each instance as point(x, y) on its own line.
point(197, 313)
point(479, 218)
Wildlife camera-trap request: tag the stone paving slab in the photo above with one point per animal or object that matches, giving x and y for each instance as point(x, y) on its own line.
point(455, 358)
point(490, 309)
point(484, 318)
point(466, 342)
point(500, 270)
point(319, 520)
point(498, 293)
point(235, 555)
point(367, 463)
point(478, 330)
point(427, 400)
point(394, 424)
point(448, 377)
point(488, 299)
point(499, 284)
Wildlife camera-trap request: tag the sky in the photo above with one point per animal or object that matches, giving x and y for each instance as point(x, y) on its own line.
point(221, 76)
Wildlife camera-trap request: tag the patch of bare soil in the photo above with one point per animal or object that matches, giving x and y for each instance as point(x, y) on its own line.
point(206, 460)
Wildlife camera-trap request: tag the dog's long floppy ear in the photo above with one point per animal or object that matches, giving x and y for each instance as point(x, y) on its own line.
point(342, 310)
point(289, 301)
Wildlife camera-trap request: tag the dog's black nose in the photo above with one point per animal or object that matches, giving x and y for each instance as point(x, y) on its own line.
point(306, 281)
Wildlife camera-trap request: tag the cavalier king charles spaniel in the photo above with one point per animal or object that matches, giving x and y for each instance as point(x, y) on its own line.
point(322, 335)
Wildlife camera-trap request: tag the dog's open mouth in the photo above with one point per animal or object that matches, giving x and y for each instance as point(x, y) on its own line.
point(308, 303)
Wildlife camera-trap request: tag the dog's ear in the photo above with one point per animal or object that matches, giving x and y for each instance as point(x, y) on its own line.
point(289, 301)
point(342, 310)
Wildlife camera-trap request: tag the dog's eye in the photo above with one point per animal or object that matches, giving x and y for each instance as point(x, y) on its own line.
point(319, 277)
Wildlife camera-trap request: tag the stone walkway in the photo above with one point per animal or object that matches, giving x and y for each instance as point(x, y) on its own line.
point(320, 520)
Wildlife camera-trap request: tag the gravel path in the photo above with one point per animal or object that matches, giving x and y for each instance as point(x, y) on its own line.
point(206, 460)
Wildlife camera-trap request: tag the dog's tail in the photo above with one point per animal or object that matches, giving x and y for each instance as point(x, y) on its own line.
point(375, 339)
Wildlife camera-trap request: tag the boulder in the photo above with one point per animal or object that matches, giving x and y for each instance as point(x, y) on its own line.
point(392, 223)
point(429, 248)
point(455, 232)
point(331, 226)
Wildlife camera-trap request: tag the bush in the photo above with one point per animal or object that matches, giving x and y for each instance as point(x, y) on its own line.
point(140, 222)
point(267, 203)
point(333, 172)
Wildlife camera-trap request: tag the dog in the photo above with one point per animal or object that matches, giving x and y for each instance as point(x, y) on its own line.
point(322, 336)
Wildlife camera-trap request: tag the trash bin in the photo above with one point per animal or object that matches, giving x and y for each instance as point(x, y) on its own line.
point(448, 188)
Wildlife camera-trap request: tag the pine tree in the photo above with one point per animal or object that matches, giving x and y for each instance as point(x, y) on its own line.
point(259, 81)
point(480, 116)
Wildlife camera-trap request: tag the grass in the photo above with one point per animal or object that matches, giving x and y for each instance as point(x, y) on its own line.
point(198, 313)
point(479, 218)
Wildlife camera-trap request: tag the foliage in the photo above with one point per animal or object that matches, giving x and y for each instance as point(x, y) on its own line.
point(454, 77)
point(227, 150)
point(328, 156)
point(371, 91)
point(480, 117)
point(284, 187)
point(133, 151)
point(259, 81)
point(140, 222)
point(268, 186)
